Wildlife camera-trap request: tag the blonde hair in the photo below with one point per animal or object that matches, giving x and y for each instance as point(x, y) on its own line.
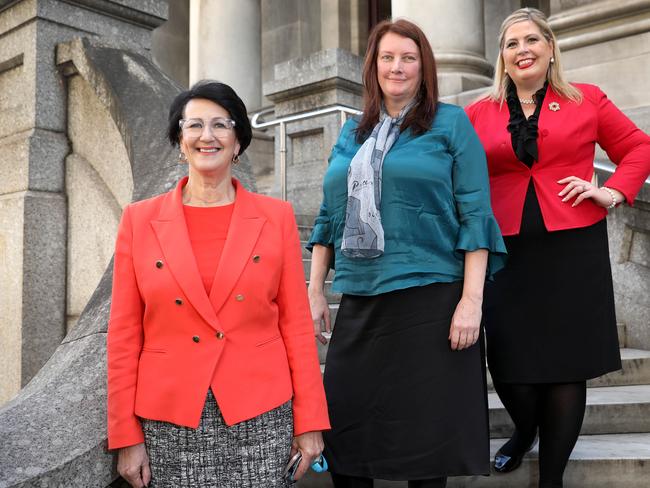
point(554, 76)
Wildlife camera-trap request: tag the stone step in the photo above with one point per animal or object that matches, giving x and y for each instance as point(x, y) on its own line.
point(598, 461)
point(610, 410)
point(635, 371)
point(305, 253)
point(304, 231)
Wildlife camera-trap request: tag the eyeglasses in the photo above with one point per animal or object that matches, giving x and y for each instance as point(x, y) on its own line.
point(219, 126)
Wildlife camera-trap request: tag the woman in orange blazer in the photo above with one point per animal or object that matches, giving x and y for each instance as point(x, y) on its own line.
point(213, 376)
point(549, 315)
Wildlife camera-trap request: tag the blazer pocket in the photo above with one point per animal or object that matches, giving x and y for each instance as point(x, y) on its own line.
point(269, 341)
point(154, 350)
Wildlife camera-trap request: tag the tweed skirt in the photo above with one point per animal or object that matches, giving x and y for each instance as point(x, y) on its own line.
point(250, 454)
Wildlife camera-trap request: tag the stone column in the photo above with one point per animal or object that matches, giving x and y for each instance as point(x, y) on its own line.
point(225, 45)
point(456, 32)
point(325, 78)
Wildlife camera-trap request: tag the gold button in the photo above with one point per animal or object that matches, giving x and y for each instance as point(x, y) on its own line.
point(220, 335)
point(256, 259)
point(239, 298)
point(159, 264)
point(178, 301)
point(196, 338)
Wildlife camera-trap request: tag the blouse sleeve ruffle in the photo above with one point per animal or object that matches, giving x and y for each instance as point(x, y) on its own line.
point(482, 232)
point(321, 234)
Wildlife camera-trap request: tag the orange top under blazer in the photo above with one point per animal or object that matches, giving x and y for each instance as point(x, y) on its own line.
point(251, 340)
point(566, 143)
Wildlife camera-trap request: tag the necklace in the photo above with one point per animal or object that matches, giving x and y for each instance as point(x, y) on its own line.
point(527, 101)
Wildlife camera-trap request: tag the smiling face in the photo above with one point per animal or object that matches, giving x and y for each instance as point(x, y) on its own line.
point(210, 152)
point(526, 55)
point(398, 69)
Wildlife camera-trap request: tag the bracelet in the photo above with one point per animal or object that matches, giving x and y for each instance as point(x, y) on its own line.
point(611, 193)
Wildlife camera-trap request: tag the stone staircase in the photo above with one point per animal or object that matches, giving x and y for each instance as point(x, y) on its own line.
point(613, 450)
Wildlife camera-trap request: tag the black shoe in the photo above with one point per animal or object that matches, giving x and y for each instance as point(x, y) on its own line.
point(504, 463)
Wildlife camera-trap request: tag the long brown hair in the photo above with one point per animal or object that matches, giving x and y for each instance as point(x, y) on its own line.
point(421, 115)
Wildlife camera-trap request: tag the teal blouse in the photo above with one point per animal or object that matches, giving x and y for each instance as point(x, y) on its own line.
point(435, 205)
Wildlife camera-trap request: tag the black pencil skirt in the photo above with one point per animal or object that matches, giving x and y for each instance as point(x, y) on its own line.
point(403, 405)
point(549, 315)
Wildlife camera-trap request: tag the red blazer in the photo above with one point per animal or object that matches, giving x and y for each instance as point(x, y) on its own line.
point(251, 340)
point(566, 144)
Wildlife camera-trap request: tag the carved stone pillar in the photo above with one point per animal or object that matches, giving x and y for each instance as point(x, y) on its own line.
point(225, 45)
point(456, 32)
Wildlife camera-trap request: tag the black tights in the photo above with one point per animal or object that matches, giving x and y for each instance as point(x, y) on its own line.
point(342, 481)
point(557, 409)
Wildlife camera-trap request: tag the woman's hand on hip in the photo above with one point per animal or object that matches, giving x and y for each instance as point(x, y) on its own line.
point(310, 445)
point(581, 189)
point(320, 313)
point(133, 465)
point(465, 323)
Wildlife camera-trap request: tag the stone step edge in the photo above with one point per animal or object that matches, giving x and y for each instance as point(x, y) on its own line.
point(597, 461)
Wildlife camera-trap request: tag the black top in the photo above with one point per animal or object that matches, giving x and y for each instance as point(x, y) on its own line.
point(522, 130)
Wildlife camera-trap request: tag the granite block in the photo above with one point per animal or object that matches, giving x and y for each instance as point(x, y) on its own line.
point(15, 14)
point(11, 261)
point(123, 24)
point(93, 217)
point(103, 147)
point(14, 148)
point(312, 69)
point(16, 84)
point(53, 433)
point(47, 150)
point(49, 89)
point(44, 268)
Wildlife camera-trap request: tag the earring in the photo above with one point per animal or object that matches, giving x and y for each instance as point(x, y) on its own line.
point(235, 159)
point(181, 157)
point(505, 71)
point(552, 60)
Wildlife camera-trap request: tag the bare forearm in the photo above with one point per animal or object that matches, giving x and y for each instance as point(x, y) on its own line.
point(475, 267)
point(320, 265)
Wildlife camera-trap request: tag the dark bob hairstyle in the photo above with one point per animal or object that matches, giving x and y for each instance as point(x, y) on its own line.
point(420, 117)
point(222, 95)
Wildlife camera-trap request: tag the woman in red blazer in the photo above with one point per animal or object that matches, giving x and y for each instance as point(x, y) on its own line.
point(549, 315)
point(213, 376)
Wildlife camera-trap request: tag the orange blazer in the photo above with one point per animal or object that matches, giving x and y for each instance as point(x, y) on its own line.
point(566, 142)
point(251, 340)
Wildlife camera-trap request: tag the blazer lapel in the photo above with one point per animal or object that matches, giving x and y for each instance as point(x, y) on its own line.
point(171, 231)
point(245, 228)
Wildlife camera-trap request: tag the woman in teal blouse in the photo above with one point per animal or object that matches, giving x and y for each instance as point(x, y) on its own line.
point(407, 223)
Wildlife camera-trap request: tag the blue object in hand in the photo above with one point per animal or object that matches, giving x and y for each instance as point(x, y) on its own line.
point(320, 464)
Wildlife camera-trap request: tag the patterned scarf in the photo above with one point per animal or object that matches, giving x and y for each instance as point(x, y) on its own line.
point(363, 235)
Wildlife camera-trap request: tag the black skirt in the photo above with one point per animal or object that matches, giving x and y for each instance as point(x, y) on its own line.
point(549, 314)
point(402, 404)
